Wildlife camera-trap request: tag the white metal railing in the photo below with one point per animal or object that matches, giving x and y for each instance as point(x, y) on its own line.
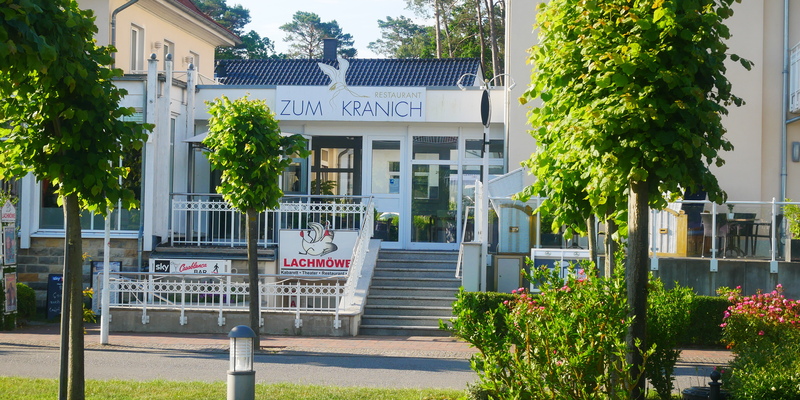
point(460, 260)
point(203, 219)
point(358, 258)
point(223, 293)
point(229, 292)
point(736, 229)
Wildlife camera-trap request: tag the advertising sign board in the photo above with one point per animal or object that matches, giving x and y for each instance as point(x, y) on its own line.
point(189, 266)
point(316, 251)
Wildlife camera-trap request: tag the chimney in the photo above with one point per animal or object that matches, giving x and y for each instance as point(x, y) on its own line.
point(329, 47)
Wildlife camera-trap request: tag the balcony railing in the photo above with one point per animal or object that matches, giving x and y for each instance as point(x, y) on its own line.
point(201, 219)
point(225, 293)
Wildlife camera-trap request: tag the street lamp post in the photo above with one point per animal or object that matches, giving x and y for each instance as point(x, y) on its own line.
point(241, 376)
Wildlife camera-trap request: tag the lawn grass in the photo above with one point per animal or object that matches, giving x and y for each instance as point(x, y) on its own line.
point(27, 388)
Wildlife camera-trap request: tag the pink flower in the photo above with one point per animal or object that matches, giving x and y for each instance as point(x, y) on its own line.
point(514, 291)
point(760, 333)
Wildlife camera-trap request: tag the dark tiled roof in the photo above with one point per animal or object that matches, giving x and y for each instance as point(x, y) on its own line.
point(361, 72)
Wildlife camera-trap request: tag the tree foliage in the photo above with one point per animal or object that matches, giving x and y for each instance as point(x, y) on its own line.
point(306, 31)
point(61, 121)
point(632, 100)
point(401, 37)
point(247, 146)
point(462, 28)
point(235, 18)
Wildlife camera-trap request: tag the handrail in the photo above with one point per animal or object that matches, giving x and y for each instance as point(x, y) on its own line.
point(463, 235)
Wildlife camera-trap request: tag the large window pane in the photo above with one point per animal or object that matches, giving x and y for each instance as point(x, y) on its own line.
point(435, 148)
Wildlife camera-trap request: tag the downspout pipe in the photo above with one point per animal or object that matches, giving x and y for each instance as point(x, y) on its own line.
point(785, 102)
point(114, 29)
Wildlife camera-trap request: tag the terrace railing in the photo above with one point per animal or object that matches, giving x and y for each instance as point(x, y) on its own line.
point(223, 293)
point(203, 219)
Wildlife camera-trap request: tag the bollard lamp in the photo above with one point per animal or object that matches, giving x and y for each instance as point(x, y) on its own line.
point(241, 376)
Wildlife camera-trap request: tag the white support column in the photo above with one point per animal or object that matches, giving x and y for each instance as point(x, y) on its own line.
point(148, 156)
point(105, 296)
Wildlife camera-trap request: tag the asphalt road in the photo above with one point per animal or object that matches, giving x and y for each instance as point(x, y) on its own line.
point(297, 367)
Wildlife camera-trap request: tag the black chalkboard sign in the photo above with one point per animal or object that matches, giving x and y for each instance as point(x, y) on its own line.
point(55, 282)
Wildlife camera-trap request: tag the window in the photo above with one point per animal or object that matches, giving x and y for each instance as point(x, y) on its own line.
point(137, 48)
point(169, 48)
point(335, 168)
point(51, 215)
point(194, 58)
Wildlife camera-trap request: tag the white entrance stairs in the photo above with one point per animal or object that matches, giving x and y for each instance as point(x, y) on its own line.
point(410, 292)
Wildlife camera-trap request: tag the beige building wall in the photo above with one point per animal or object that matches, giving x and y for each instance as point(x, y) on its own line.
point(159, 24)
point(752, 171)
point(519, 38)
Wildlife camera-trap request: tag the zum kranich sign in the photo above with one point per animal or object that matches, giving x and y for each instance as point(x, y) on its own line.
point(340, 102)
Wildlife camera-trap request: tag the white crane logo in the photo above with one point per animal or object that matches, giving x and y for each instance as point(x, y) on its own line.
point(338, 77)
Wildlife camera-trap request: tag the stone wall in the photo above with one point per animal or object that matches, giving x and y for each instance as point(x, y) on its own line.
point(46, 256)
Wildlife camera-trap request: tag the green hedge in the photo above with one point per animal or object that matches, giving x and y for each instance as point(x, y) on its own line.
point(706, 317)
point(26, 301)
point(704, 328)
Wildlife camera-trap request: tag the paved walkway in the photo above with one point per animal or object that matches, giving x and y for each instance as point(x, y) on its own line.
point(692, 369)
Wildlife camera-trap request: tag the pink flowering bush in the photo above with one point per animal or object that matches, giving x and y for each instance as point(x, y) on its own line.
point(763, 330)
point(568, 340)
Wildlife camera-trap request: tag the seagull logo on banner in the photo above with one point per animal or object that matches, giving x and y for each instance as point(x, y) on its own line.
point(338, 76)
point(317, 240)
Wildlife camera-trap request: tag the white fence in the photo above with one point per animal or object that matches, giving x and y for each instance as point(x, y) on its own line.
point(225, 293)
point(207, 220)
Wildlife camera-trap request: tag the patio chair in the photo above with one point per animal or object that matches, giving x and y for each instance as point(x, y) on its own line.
point(764, 230)
point(744, 227)
point(708, 231)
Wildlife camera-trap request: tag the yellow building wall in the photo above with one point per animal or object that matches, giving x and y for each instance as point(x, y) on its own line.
point(160, 22)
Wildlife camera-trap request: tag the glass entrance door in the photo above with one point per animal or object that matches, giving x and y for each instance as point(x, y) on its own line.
point(435, 193)
point(387, 186)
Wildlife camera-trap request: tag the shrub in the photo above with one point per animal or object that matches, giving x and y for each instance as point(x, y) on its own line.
point(763, 330)
point(705, 320)
point(569, 341)
point(26, 301)
point(667, 322)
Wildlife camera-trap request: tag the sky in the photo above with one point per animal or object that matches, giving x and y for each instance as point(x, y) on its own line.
point(356, 17)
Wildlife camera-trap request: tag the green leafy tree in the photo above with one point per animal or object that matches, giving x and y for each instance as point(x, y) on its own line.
point(253, 46)
point(61, 121)
point(247, 146)
point(634, 94)
point(402, 38)
point(306, 31)
point(462, 28)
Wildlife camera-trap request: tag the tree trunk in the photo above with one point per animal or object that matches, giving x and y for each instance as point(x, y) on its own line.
point(611, 245)
point(591, 229)
point(252, 269)
point(437, 15)
point(74, 261)
point(446, 24)
point(497, 69)
point(636, 279)
point(482, 35)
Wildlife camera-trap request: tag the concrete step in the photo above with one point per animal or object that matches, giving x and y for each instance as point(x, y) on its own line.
point(387, 330)
point(411, 301)
point(401, 320)
point(408, 310)
point(414, 272)
point(449, 283)
point(415, 264)
point(411, 255)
